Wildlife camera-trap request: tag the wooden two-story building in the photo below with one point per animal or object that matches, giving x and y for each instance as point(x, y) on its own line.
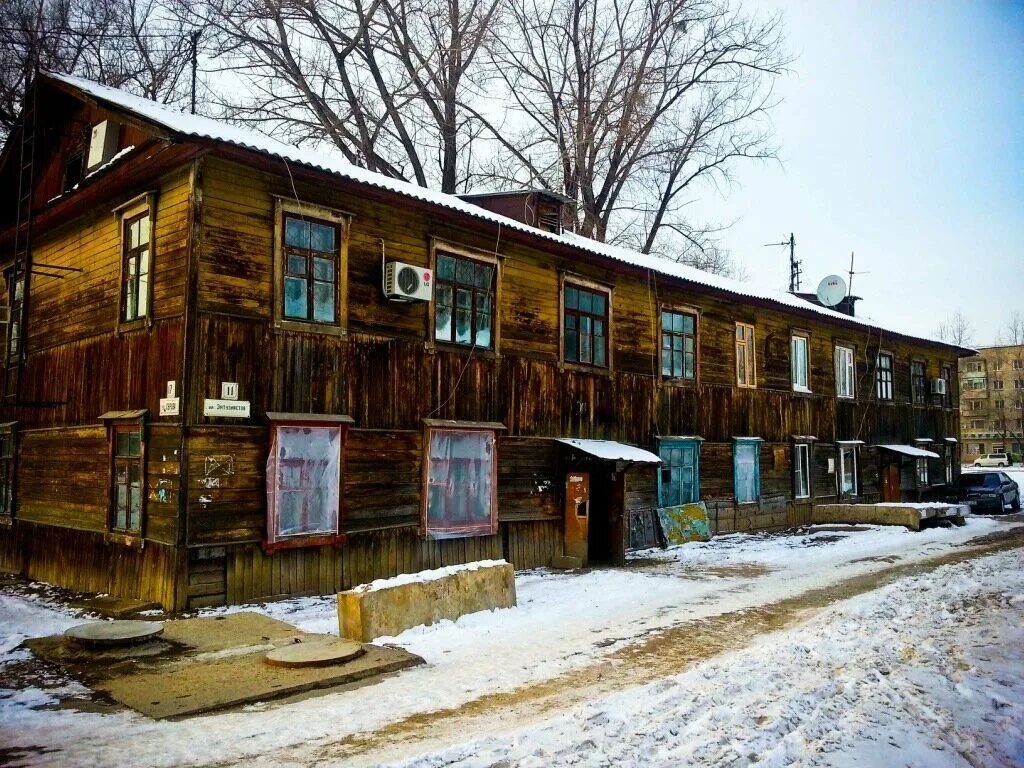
point(237, 370)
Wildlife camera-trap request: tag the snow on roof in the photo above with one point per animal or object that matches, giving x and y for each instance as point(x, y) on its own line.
point(909, 450)
point(201, 127)
point(611, 450)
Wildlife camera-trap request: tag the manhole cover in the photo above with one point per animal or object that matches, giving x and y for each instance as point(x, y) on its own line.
point(113, 633)
point(321, 653)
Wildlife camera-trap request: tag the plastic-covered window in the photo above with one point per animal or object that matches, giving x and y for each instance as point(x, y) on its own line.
point(460, 484)
point(747, 471)
point(303, 481)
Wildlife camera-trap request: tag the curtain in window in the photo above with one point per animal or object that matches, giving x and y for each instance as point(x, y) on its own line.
point(460, 485)
point(303, 480)
point(748, 481)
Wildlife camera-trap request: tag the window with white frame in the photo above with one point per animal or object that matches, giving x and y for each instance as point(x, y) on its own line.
point(304, 480)
point(747, 470)
point(846, 477)
point(461, 477)
point(801, 470)
point(948, 460)
point(844, 371)
point(799, 362)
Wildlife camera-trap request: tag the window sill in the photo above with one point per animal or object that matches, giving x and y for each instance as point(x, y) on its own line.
point(130, 540)
point(297, 542)
point(746, 386)
point(583, 368)
point(678, 381)
point(301, 327)
point(485, 353)
point(801, 391)
point(126, 326)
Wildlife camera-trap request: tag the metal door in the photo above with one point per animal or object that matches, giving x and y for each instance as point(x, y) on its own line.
point(577, 514)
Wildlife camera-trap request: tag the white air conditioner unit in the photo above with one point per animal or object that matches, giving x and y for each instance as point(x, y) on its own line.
point(938, 386)
point(404, 282)
point(102, 144)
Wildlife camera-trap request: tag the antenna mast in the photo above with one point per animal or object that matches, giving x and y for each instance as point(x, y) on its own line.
point(849, 284)
point(794, 265)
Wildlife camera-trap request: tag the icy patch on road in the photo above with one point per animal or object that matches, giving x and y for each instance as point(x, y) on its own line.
point(910, 674)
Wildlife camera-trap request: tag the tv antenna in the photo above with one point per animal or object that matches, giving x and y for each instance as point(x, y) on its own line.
point(794, 265)
point(852, 273)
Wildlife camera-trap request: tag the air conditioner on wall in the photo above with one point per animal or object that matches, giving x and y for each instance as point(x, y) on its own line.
point(404, 282)
point(938, 386)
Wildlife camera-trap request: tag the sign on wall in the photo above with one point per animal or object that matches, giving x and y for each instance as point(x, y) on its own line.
point(236, 409)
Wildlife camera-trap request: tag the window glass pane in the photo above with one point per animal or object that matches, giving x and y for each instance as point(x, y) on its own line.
point(121, 513)
point(295, 297)
point(688, 324)
point(134, 443)
point(459, 480)
point(483, 275)
point(666, 321)
point(585, 349)
point(677, 323)
point(585, 324)
point(463, 325)
point(483, 302)
point(464, 271)
point(323, 302)
point(321, 238)
point(442, 322)
point(666, 362)
point(585, 301)
point(143, 231)
point(463, 298)
point(599, 328)
point(296, 232)
point(745, 462)
point(123, 443)
point(445, 267)
point(599, 351)
point(571, 298)
point(323, 269)
point(570, 321)
point(143, 298)
point(297, 265)
point(597, 303)
point(570, 345)
point(483, 330)
point(677, 364)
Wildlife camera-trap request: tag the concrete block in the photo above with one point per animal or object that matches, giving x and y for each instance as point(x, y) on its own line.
point(391, 606)
point(566, 562)
point(905, 514)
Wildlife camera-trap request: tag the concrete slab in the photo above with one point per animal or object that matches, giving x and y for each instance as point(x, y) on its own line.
point(113, 633)
point(114, 607)
point(211, 663)
point(323, 653)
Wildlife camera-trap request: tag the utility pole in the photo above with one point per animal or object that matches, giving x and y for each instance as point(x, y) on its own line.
point(849, 284)
point(794, 265)
point(195, 67)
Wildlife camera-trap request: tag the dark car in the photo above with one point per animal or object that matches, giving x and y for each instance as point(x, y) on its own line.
point(988, 492)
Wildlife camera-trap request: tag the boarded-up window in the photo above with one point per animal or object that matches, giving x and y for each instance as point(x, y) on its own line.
point(464, 301)
point(135, 268)
point(303, 480)
point(747, 470)
point(461, 481)
point(679, 478)
point(129, 486)
point(844, 372)
point(883, 376)
point(678, 345)
point(745, 365)
point(801, 470)
point(585, 326)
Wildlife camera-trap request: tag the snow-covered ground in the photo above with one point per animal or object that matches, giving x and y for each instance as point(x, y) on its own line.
point(564, 622)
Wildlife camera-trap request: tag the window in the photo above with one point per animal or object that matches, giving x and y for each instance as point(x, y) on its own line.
point(1018, 364)
point(135, 267)
point(464, 301)
point(847, 476)
point(917, 382)
point(304, 478)
point(947, 458)
point(310, 269)
point(799, 363)
point(585, 326)
point(1018, 383)
point(1000, 404)
point(74, 170)
point(129, 484)
point(922, 471)
point(997, 383)
point(460, 497)
point(844, 372)
point(801, 470)
point(679, 478)
point(747, 470)
point(977, 423)
point(678, 345)
point(975, 405)
point(883, 377)
point(16, 294)
point(7, 470)
point(947, 376)
point(746, 369)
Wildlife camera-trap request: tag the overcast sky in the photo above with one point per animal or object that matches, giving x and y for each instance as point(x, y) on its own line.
point(902, 139)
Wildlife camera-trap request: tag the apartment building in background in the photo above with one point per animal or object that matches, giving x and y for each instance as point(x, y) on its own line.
point(992, 401)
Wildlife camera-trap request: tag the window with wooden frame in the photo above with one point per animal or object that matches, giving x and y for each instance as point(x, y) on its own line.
point(845, 372)
point(8, 438)
point(678, 344)
point(311, 251)
point(585, 312)
point(799, 356)
point(801, 470)
point(128, 477)
point(460, 477)
point(304, 479)
point(847, 479)
point(135, 266)
point(746, 366)
point(918, 382)
point(922, 471)
point(884, 376)
point(746, 453)
point(464, 300)
point(947, 376)
point(679, 477)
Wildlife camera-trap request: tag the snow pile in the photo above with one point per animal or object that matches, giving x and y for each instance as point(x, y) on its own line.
point(421, 577)
point(906, 675)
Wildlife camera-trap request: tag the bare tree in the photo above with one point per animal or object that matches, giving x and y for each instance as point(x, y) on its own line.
point(630, 107)
point(383, 81)
point(131, 44)
point(956, 329)
point(1012, 333)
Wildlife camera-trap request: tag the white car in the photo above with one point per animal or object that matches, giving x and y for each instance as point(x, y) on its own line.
point(993, 460)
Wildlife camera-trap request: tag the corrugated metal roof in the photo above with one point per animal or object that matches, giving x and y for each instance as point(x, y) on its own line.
point(200, 127)
point(909, 450)
point(610, 450)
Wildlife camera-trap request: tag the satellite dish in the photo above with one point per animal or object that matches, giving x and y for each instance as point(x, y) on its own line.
point(831, 290)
